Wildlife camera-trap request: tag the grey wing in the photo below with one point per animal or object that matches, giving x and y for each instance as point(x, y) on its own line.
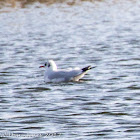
point(67, 75)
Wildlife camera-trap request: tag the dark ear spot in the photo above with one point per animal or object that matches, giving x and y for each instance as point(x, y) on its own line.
point(49, 65)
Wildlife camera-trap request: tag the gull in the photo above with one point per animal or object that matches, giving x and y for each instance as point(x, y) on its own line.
point(53, 74)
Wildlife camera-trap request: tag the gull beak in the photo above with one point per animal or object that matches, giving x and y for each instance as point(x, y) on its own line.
point(41, 66)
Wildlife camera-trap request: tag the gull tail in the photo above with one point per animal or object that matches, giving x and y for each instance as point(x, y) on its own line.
point(84, 71)
point(87, 68)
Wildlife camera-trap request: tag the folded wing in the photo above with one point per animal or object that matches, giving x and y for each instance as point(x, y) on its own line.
point(68, 75)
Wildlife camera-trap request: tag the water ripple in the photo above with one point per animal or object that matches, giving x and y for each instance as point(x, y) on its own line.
point(103, 105)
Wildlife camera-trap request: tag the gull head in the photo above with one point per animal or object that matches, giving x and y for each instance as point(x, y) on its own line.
point(50, 64)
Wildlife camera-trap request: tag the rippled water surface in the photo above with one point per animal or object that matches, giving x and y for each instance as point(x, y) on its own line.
point(105, 105)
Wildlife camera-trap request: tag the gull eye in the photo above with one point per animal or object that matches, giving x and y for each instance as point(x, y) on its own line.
point(45, 64)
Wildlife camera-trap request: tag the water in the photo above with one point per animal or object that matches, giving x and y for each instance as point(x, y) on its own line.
point(105, 105)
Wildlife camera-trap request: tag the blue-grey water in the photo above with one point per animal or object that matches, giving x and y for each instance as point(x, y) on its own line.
point(104, 105)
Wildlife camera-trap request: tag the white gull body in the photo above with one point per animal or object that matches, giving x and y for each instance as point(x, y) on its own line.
point(52, 74)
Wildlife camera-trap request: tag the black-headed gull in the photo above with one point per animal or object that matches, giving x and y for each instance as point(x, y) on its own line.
point(52, 74)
